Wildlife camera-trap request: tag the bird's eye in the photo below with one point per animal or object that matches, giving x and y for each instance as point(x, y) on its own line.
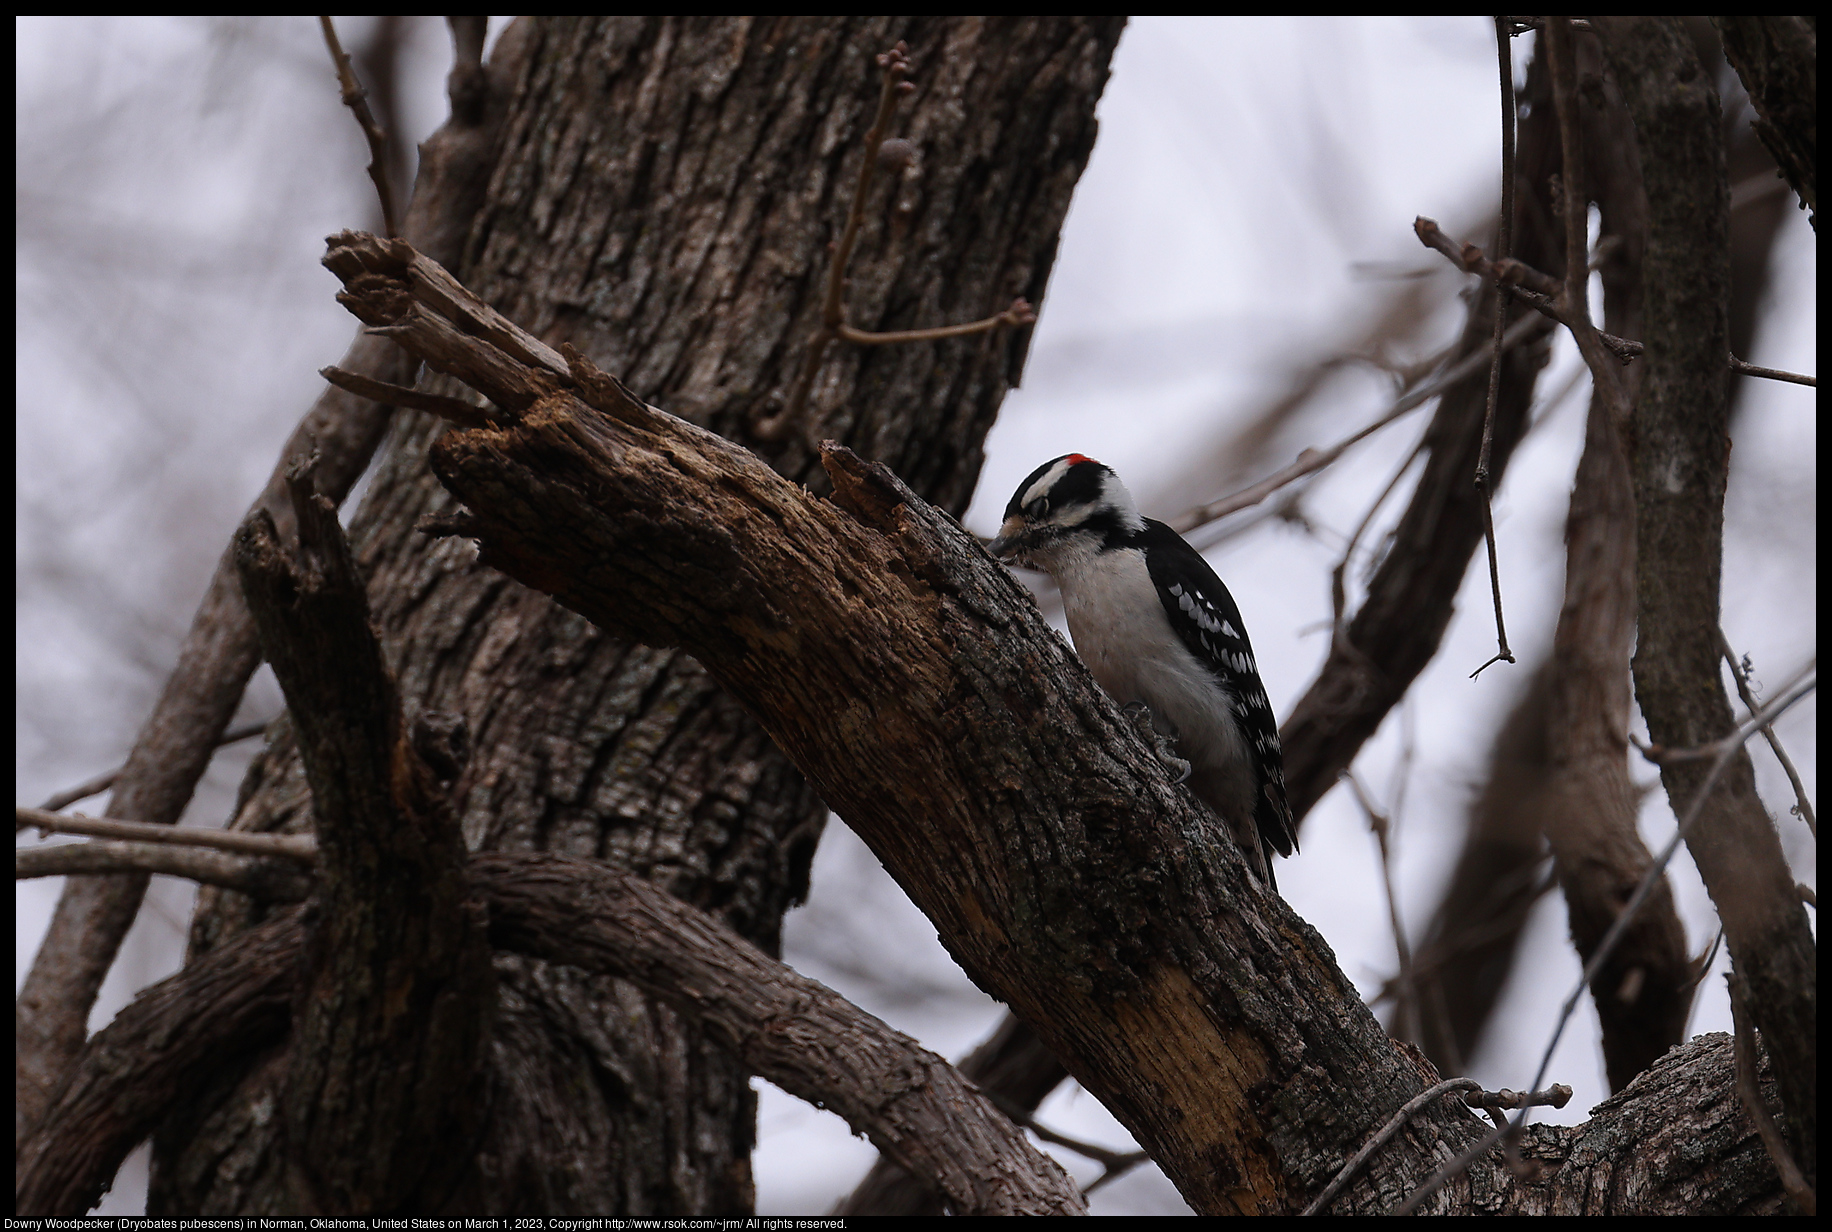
point(1038, 508)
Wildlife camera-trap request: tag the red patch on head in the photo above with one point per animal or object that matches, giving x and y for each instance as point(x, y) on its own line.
point(1075, 459)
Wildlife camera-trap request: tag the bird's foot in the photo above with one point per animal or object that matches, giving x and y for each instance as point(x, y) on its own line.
point(1139, 715)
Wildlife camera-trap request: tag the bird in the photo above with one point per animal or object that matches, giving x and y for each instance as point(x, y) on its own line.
point(1163, 637)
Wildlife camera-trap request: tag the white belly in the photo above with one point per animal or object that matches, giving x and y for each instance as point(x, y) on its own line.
point(1122, 634)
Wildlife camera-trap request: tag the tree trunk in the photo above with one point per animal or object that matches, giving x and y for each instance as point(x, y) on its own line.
point(663, 198)
point(1681, 463)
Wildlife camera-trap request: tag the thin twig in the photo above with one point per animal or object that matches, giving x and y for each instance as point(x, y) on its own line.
point(1662, 755)
point(1475, 1097)
point(1381, 825)
point(1115, 1164)
point(895, 66)
point(453, 410)
point(1773, 374)
point(1530, 286)
point(1313, 460)
point(1394, 1124)
point(262, 877)
point(1020, 313)
point(1338, 589)
point(103, 781)
point(1803, 807)
point(300, 847)
point(1503, 242)
point(1796, 689)
point(1749, 1094)
point(357, 100)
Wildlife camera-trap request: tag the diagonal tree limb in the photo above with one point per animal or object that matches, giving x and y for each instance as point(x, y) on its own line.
point(800, 1035)
point(220, 652)
point(171, 753)
point(1778, 60)
point(1015, 1070)
point(807, 1039)
point(882, 649)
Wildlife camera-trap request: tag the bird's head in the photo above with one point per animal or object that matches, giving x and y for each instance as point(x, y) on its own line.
point(1066, 506)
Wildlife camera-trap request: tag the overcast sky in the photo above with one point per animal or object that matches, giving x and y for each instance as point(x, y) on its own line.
point(1246, 213)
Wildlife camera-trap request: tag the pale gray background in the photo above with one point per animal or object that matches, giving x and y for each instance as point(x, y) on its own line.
point(1248, 204)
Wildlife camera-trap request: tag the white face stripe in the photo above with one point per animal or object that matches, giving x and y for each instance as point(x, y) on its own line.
point(1119, 497)
point(1113, 495)
point(1046, 481)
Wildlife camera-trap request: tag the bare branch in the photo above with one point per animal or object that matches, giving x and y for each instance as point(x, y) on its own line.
point(1382, 1136)
point(1749, 1094)
point(1311, 461)
point(1724, 750)
point(1802, 683)
point(800, 1035)
point(1739, 671)
point(1773, 374)
point(357, 100)
point(1381, 824)
point(1554, 1097)
point(797, 1033)
point(1504, 54)
point(1020, 313)
point(275, 880)
point(103, 781)
point(301, 848)
point(1538, 289)
point(1528, 284)
point(453, 410)
point(1655, 874)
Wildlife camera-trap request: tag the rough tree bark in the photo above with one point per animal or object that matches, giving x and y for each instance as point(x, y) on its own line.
point(1778, 60)
point(1680, 460)
point(662, 196)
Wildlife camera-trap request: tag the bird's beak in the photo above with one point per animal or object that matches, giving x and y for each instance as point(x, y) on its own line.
point(1011, 535)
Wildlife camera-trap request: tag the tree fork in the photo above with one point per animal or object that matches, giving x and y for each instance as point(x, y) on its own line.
point(384, 1065)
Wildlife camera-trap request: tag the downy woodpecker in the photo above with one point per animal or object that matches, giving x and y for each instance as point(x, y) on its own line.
point(1157, 628)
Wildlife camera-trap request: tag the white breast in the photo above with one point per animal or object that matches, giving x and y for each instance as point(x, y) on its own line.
point(1122, 634)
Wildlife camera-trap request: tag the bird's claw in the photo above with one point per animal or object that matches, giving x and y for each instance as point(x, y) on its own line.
point(1139, 715)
